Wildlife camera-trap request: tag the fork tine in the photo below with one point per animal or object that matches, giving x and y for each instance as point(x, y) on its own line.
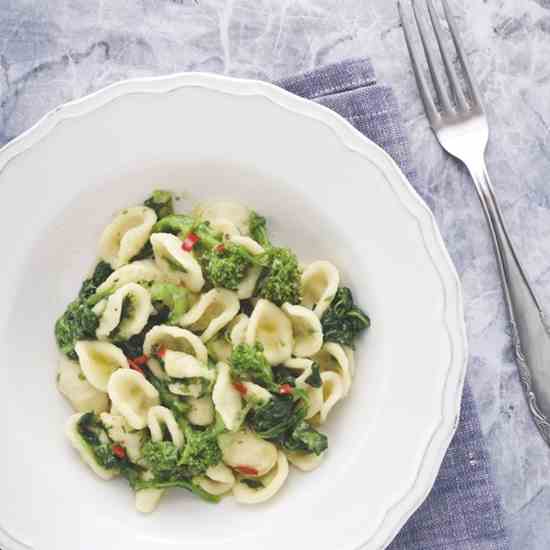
point(449, 67)
point(438, 85)
point(423, 88)
point(474, 92)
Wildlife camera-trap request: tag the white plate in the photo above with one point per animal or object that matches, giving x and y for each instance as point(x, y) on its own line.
point(328, 192)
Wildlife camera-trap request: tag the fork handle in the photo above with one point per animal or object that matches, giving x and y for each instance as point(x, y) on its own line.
point(530, 330)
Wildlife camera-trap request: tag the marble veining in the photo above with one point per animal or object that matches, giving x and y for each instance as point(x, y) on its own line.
point(55, 51)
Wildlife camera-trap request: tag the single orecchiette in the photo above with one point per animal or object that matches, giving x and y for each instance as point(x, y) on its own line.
point(248, 284)
point(126, 235)
point(245, 448)
point(333, 357)
point(174, 339)
point(255, 394)
point(120, 432)
point(305, 461)
point(270, 327)
point(212, 312)
point(126, 313)
point(159, 418)
point(333, 391)
point(86, 453)
point(133, 396)
point(227, 400)
point(147, 499)
point(320, 282)
point(140, 272)
point(182, 365)
point(238, 330)
point(72, 383)
point(306, 329)
point(225, 227)
point(271, 482)
point(202, 411)
point(178, 264)
point(98, 361)
point(227, 212)
point(219, 479)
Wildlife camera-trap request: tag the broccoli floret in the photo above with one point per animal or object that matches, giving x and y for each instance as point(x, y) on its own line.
point(173, 297)
point(161, 457)
point(343, 321)
point(78, 322)
point(89, 286)
point(161, 202)
point(201, 450)
point(257, 227)
point(280, 281)
point(227, 265)
point(249, 363)
point(306, 439)
point(181, 225)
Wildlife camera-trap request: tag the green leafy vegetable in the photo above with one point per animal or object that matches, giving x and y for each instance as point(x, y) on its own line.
point(249, 363)
point(161, 202)
point(145, 252)
point(314, 379)
point(284, 375)
point(280, 280)
point(343, 321)
point(257, 227)
point(173, 297)
point(89, 286)
point(78, 322)
point(276, 417)
point(175, 403)
point(306, 438)
point(184, 483)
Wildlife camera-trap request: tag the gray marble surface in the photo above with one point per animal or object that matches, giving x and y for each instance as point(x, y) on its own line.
point(57, 50)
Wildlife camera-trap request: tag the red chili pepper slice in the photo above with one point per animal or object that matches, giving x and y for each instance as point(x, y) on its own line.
point(240, 387)
point(161, 351)
point(141, 360)
point(118, 451)
point(220, 248)
point(247, 470)
point(135, 367)
point(285, 389)
point(190, 241)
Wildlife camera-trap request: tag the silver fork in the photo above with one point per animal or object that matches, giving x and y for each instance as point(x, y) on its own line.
point(460, 124)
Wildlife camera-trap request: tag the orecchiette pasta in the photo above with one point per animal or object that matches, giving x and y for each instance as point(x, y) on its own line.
point(248, 284)
point(175, 339)
point(333, 357)
point(133, 396)
point(238, 330)
point(305, 461)
point(320, 282)
point(255, 394)
point(147, 499)
point(126, 313)
point(227, 400)
point(244, 448)
point(178, 264)
point(160, 418)
point(218, 480)
point(202, 411)
point(98, 361)
point(87, 455)
point(126, 235)
point(333, 391)
point(141, 272)
point(211, 313)
point(120, 432)
point(270, 327)
point(306, 328)
point(72, 383)
point(225, 212)
point(182, 365)
point(271, 482)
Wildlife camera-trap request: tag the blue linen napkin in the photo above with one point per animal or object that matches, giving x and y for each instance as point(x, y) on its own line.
point(462, 512)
